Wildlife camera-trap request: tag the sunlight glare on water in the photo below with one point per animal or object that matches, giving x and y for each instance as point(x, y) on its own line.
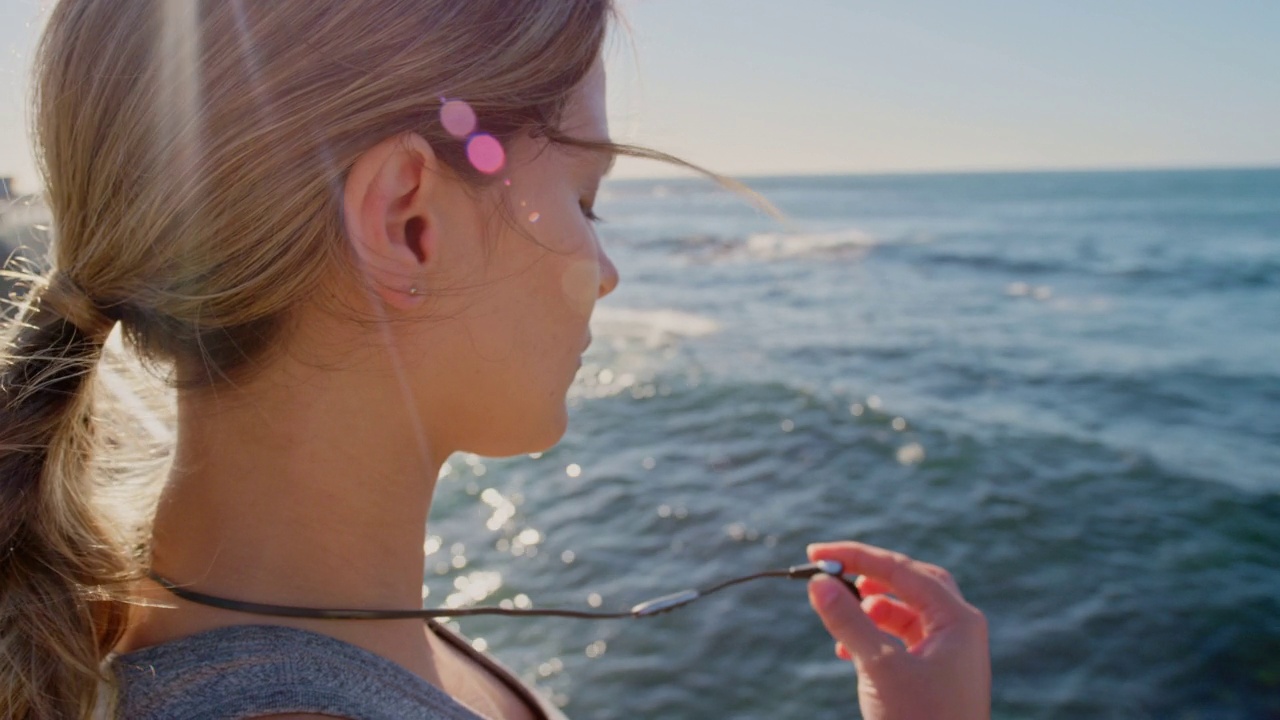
point(950, 414)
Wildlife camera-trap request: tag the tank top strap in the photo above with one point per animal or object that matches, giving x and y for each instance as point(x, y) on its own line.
point(539, 707)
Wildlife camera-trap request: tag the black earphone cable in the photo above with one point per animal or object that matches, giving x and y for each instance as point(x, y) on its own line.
point(648, 608)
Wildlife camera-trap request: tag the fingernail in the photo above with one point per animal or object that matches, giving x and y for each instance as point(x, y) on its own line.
point(812, 548)
point(824, 591)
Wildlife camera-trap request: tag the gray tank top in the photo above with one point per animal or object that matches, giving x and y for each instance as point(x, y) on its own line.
point(250, 671)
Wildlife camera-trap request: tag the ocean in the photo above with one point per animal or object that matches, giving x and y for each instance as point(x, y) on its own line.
point(1064, 387)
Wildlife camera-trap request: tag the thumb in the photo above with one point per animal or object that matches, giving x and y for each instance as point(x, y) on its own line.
point(842, 614)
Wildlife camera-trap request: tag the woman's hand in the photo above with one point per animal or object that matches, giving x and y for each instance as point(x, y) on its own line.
point(944, 670)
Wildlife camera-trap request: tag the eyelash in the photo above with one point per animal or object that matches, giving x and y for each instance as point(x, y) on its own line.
point(590, 215)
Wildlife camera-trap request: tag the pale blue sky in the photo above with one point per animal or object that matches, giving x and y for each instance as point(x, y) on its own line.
point(820, 86)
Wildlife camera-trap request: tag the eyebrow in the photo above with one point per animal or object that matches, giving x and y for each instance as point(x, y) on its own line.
point(608, 166)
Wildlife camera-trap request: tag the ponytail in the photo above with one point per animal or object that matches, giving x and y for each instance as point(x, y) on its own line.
point(62, 573)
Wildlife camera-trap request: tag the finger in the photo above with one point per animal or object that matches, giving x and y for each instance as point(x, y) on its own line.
point(896, 618)
point(844, 618)
point(909, 578)
point(869, 586)
point(941, 574)
point(872, 586)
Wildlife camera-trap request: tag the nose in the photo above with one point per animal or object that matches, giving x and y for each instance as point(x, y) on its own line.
point(608, 275)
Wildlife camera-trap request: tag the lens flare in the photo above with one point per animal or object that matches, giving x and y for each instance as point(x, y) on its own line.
point(458, 118)
point(581, 282)
point(486, 153)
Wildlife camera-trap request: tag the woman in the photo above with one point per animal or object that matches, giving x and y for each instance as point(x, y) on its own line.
point(358, 236)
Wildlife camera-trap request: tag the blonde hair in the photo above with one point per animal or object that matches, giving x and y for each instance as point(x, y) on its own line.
point(193, 155)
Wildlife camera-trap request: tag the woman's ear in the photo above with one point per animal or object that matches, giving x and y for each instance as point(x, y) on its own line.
point(386, 206)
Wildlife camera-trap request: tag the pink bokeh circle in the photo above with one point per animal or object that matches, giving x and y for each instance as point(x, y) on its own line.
point(458, 118)
point(486, 153)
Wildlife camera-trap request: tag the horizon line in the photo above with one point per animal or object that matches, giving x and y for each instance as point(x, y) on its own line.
point(994, 170)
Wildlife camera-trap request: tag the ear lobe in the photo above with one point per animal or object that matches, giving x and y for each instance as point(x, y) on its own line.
point(386, 206)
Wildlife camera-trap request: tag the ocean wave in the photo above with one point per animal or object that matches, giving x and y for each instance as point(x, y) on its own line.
point(1156, 270)
point(788, 246)
point(993, 262)
point(1197, 273)
point(653, 327)
point(706, 248)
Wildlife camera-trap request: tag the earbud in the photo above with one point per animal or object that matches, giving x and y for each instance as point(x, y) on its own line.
point(824, 567)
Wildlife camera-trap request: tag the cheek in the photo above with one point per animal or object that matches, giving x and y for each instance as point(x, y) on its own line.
point(566, 249)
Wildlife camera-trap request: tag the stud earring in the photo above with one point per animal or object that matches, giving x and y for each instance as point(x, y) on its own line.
point(414, 291)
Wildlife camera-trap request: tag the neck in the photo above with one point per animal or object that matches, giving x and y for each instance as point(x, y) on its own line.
point(295, 495)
